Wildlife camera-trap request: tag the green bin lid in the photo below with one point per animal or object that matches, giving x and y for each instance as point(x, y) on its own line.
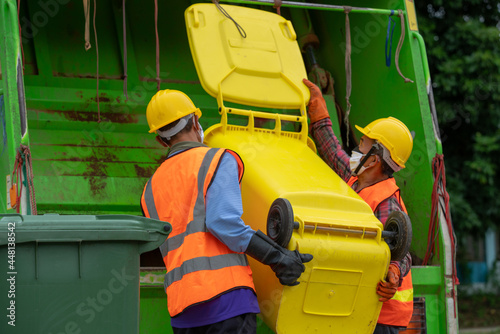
point(79, 228)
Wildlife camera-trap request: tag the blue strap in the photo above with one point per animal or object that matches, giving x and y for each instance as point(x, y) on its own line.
point(388, 39)
point(2, 115)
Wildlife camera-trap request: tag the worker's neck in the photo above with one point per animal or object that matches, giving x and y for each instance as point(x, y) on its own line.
point(370, 177)
point(185, 136)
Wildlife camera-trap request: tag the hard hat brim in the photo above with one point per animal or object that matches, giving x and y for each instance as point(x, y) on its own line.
point(197, 112)
point(362, 130)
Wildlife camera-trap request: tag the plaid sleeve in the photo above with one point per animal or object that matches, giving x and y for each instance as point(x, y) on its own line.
point(385, 208)
point(382, 213)
point(329, 148)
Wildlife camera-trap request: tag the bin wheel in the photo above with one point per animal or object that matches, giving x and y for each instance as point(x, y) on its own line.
point(280, 222)
point(398, 234)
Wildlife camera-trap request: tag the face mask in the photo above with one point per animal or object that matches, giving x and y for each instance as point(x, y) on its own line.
point(200, 132)
point(355, 160)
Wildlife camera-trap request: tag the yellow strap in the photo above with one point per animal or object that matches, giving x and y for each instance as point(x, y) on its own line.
point(403, 296)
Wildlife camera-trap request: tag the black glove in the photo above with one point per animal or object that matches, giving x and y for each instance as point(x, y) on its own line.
point(287, 265)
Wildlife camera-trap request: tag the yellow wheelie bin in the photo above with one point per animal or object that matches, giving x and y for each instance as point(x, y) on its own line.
point(288, 192)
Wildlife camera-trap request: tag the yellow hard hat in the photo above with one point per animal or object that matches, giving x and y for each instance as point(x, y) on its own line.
point(167, 106)
point(394, 135)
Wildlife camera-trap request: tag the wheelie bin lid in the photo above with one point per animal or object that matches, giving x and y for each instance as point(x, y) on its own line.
point(252, 59)
point(70, 228)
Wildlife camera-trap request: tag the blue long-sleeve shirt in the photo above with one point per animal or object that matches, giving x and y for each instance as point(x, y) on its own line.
point(224, 207)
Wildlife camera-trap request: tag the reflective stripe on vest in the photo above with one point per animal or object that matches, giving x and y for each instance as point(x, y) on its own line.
point(205, 263)
point(192, 255)
point(398, 310)
point(403, 296)
point(150, 200)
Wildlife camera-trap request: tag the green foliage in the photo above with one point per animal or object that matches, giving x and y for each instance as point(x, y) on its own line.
point(478, 309)
point(463, 46)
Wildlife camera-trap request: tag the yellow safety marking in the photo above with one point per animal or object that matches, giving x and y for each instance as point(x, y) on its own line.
point(403, 296)
point(412, 17)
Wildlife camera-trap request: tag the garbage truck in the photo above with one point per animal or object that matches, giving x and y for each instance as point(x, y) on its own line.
point(75, 82)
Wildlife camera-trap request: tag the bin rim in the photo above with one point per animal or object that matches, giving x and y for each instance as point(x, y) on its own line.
point(82, 228)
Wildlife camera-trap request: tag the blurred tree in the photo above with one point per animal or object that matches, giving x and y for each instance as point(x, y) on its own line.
point(463, 47)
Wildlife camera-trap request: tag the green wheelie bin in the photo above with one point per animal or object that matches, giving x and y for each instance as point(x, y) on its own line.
point(73, 274)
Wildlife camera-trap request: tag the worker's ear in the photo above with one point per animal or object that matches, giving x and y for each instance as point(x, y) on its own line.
point(374, 161)
point(196, 123)
point(161, 141)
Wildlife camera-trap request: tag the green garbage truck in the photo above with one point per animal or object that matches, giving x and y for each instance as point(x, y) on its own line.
point(75, 81)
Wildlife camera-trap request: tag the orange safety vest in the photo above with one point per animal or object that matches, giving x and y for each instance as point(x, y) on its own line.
point(398, 310)
point(199, 266)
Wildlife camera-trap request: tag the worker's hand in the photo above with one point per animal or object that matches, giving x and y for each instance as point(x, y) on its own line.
point(287, 265)
point(317, 105)
point(289, 268)
point(386, 290)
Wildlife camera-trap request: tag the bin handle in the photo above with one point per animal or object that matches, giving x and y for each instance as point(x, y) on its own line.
point(288, 31)
point(11, 215)
point(224, 111)
point(196, 17)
